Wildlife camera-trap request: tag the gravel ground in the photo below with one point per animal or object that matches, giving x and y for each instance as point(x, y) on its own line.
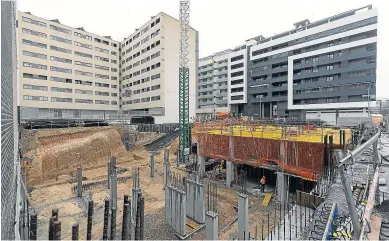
point(156, 227)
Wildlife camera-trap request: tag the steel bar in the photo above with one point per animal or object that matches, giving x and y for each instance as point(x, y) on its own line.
point(90, 220)
point(33, 226)
point(106, 217)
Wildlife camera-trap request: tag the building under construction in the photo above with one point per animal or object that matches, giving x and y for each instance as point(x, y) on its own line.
point(297, 150)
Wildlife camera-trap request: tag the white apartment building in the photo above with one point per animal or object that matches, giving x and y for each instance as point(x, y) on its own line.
point(150, 70)
point(65, 72)
point(212, 85)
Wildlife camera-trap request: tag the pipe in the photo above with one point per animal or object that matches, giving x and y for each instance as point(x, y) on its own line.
point(358, 150)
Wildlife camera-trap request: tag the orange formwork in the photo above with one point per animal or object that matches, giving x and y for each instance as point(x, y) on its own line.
point(302, 158)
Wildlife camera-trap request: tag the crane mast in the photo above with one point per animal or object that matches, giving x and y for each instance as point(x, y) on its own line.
point(184, 136)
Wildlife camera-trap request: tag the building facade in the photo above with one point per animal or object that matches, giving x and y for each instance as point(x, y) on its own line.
point(320, 70)
point(66, 72)
point(212, 85)
point(150, 71)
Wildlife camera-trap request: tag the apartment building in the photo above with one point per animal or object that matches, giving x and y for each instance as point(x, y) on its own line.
point(212, 85)
point(150, 71)
point(319, 70)
point(65, 72)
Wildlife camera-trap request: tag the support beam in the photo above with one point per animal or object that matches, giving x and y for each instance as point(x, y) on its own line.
point(243, 217)
point(211, 226)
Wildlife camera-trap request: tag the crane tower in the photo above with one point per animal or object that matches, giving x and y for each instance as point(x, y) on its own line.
point(184, 137)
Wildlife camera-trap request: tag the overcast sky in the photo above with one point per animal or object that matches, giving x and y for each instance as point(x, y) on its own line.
point(222, 24)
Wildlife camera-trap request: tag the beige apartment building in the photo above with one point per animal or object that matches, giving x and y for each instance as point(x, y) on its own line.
point(150, 71)
point(65, 72)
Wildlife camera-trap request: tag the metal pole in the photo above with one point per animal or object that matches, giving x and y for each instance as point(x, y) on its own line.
point(90, 219)
point(350, 203)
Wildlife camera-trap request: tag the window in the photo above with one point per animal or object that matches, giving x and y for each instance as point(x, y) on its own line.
point(63, 80)
point(83, 82)
point(78, 72)
point(136, 64)
point(101, 67)
point(114, 86)
point(83, 64)
point(65, 90)
point(102, 93)
point(240, 57)
point(114, 45)
point(35, 66)
point(83, 54)
point(236, 66)
point(101, 58)
point(236, 74)
point(330, 56)
point(114, 102)
point(35, 33)
point(114, 61)
point(145, 40)
point(35, 44)
point(101, 85)
point(59, 29)
point(35, 55)
point(330, 67)
point(35, 87)
point(153, 56)
point(136, 45)
point(102, 102)
point(315, 59)
point(330, 78)
point(114, 70)
point(113, 53)
point(83, 92)
point(155, 87)
point(84, 101)
point(101, 50)
point(156, 76)
point(145, 30)
point(63, 50)
point(145, 60)
point(330, 44)
point(237, 97)
point(34, 76)
point(63, 60)
point(154, 98)
point(63, 40)
point(35, 98)
point(102, 76)
point(155, 33)
point(80, 35)
point(33, 21)
point(114, 78)
point(87, 46)
point(57, 99)
point(58, 69)
point(114, 94)
point(315, 70)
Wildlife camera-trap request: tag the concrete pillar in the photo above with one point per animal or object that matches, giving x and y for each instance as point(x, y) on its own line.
point(79, 182)
point(152, 163)
point(229, 173)
point(243, 217)
point(282, 187)
point(201, 163)
point(211, 226)
point(271, 110)
point(166, 167)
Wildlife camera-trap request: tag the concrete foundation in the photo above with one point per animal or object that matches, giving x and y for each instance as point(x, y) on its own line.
point(243, 217)
point(282, 181)
point(230, 173)
point(211, 226)
point(175, 209)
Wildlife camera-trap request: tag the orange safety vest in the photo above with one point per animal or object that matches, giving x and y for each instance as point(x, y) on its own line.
point(263, 180)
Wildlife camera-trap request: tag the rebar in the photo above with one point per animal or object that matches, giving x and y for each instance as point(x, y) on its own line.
point(106, 217)
point(90, 220)
point(33, 226)
point(75, 231)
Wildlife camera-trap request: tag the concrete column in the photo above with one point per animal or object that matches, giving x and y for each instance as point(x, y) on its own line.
point(166, 167)
point(211, 226)
point(281, 187)
point(79, 182)
point(243, 217)
point(229, 173)
point(201, 163)
point(152, 163)
point(271, 110)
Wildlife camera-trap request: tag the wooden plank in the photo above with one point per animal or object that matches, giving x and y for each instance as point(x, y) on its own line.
point(266, 200)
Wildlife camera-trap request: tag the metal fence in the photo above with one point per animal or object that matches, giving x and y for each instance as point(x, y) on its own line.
point(9, 136)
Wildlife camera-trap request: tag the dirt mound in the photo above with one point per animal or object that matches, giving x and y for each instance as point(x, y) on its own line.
point(60, 153)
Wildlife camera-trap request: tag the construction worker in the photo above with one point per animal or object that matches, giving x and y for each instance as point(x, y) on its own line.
point(263, 182)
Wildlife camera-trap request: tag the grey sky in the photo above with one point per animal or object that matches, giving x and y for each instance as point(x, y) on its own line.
point(221, 24)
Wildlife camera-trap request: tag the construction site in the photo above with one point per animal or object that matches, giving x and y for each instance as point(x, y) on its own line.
point(107, 182)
